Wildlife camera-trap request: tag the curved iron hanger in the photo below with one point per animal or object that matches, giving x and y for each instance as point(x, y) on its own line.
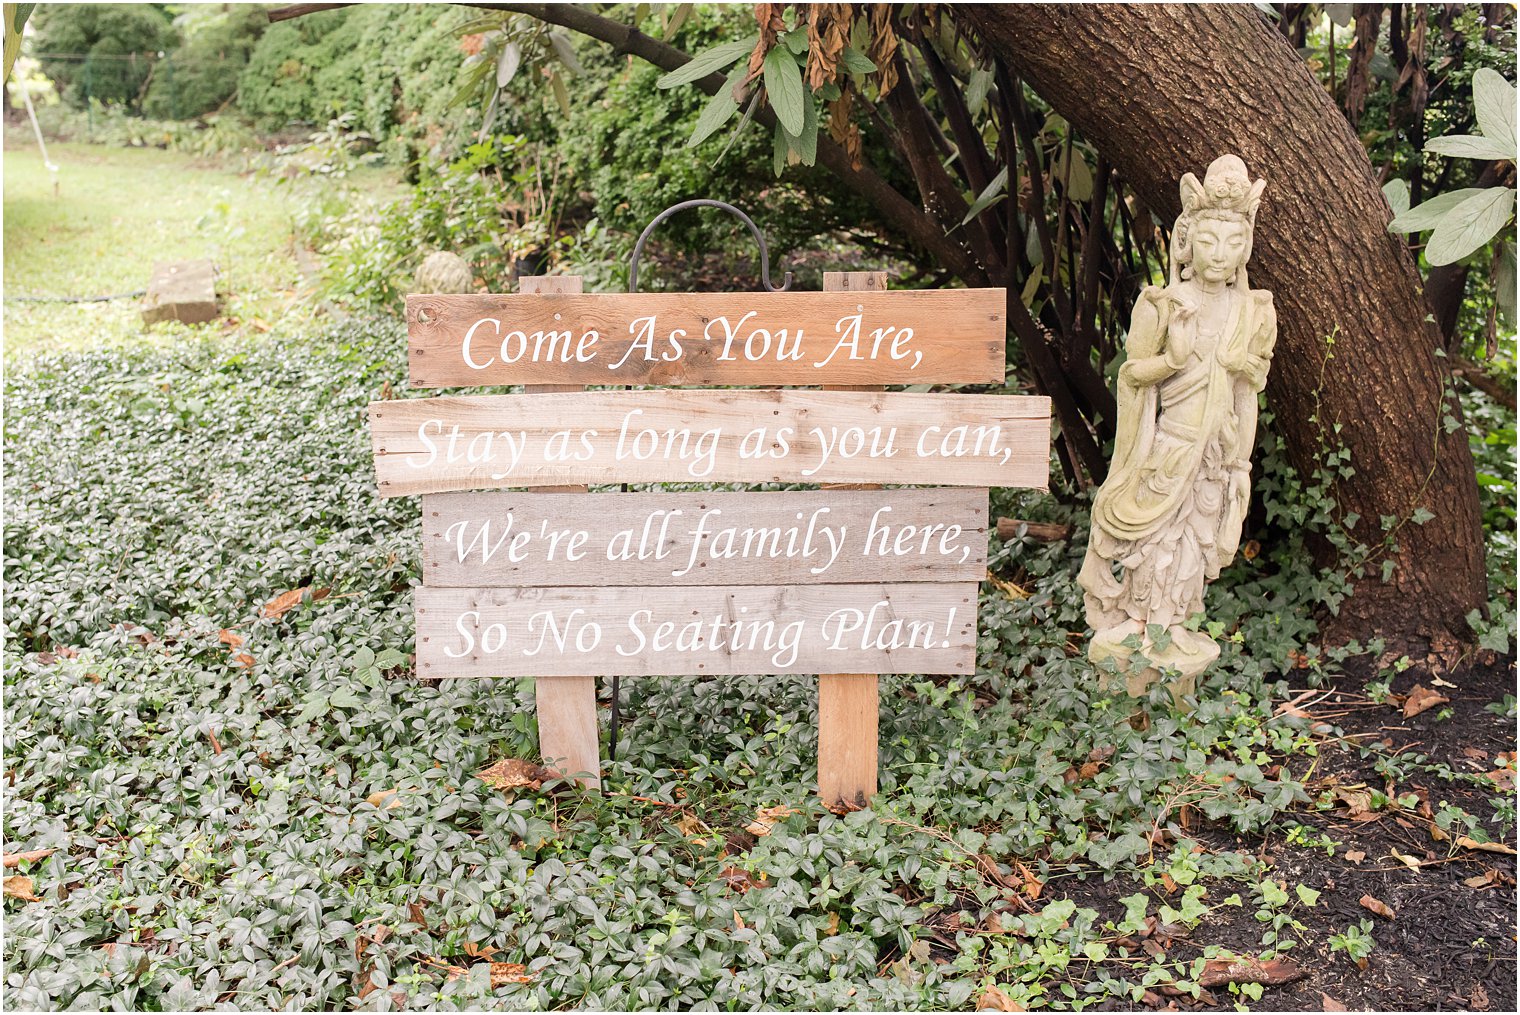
point(765, 257)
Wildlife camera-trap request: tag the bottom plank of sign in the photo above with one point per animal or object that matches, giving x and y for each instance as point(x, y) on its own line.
point(627, 631)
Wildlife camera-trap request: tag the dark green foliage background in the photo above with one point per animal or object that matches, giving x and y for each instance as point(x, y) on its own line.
point(104, 51)
point(201, 75)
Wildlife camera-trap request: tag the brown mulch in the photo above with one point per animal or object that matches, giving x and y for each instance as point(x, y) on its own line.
point(1452, 941)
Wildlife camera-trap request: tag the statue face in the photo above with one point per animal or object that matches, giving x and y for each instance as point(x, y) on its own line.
point(1219, 249)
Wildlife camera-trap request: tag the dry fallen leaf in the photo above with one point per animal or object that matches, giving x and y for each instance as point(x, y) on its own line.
point(1504, 779)
point(1407, 861)
point(995, 999)
point(767, 818)
point(1358, 800)
point(740, 880)
point(1272, 973)
point(1328, 1003)
point(514, 773)
point(1373, 905)
point(287, 601)
point(385, 799)
point(230, 637)
point(17, 859)
point(694, 828)
point(19, 886)
point(1487, 879)
point(1421, 698)
point(1356, 856)
point(477, 951)
point(1467, 842)
point(504, 973)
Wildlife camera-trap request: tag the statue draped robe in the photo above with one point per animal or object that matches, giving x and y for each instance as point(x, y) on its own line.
point(1171, 512)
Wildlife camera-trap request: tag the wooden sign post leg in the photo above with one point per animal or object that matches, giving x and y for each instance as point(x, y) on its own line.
point(848, 705)
point(567, 733)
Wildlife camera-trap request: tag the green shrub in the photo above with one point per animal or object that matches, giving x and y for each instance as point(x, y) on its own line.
point(390, 66)
point(201, 75)
point(100, 51)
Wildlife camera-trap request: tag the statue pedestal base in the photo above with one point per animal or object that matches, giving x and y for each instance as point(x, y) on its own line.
point(1185, 657)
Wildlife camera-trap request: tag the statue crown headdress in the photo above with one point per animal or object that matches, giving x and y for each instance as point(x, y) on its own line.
point(1226, 187)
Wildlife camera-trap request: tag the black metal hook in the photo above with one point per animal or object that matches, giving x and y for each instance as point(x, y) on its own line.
point(765, 257)
point(633, 286)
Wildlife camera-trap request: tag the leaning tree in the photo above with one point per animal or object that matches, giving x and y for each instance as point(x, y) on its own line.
point(1037, 147)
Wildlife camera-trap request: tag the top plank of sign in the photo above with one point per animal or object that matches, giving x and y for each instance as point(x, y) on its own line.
point(940, 336)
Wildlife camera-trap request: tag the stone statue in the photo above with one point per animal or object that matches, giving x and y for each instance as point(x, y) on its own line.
point(1169, 516)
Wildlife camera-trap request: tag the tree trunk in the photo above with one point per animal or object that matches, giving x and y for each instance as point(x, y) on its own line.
point(1163, 90)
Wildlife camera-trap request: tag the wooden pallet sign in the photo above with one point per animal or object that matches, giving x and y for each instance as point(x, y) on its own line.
point(845, 583)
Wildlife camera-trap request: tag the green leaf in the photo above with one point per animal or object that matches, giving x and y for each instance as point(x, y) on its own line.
point(783, 85)
point(1494, 102)
point(719, 109)
point(1469, 146)
point(796, 41)
point(1428, 214)
point(1308, 896)
point(344, 698)
point(561, 93)
point(316, 705)
point(779, 148)
point(1031, 287)
point(707, 62)
point(744, 121)
point(856, 62)
point(675, 19)
point(1397, 193)
point(805, 144)
point(507, 64)
point(1079, 180)
point(564, 52)
point(995, 191)
point(1504, 283)
point(976, 90)
point(1470, 225)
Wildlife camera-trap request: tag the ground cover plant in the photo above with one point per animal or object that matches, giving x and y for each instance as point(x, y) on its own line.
point(225, 787)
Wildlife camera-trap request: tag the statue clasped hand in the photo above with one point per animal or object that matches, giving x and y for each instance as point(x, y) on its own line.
point(1169, 517)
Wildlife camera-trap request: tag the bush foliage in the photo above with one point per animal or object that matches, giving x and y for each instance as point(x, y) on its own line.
point(101, 51)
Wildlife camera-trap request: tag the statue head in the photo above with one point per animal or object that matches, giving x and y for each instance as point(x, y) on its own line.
point(1212, 237)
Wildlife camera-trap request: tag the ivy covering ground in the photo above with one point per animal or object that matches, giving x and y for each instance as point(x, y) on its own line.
point(252, 803)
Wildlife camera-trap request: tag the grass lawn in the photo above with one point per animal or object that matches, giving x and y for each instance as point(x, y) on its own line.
point(115, 212)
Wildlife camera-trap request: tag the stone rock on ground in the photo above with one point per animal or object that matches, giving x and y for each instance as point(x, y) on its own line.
point(182, 291)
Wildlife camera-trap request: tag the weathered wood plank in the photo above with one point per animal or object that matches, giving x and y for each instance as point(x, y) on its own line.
point(918, 628)
point(849, 705)
point(566, 706)
point(434, 445)
point(906, 337)
point(777, 538)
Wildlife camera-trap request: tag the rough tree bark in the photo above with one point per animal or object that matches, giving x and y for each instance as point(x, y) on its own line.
point(1163, 90)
